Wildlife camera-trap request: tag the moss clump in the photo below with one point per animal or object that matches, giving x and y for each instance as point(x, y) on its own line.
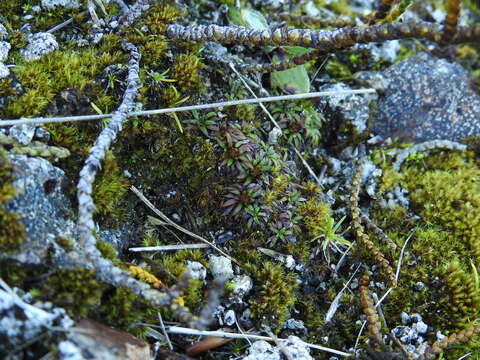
point(315, 216)
point(185, 71)
point(44, 78)
point(75, 290)
point(171, 268)
point(446, 191)
point(109, 187)
point(11, 228)
point(122, 308)
point(458, 296)
point(107, 251)
point(274, 293)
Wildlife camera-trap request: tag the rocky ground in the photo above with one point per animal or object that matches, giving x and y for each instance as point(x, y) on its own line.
point(347, 225)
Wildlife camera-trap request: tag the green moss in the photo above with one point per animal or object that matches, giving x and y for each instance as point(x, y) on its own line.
point(107, 251)
point(172, 267)
point(185, 71)
point(314, 215)
point(273, 295)
point(65, 243)
point(44, 78)
point(109, 187)
point(444, 189)
point(11, 228)
point(459, 296)
point(77, 291)
point(122, 308)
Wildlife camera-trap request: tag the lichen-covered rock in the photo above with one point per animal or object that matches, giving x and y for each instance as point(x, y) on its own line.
point(38, 45)
point(350, 107)
point(426, 98)
point(4, 49)
point(21, 322)
point(42, 207)
point(69, 4)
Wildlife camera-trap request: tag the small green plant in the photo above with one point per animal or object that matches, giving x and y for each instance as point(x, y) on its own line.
point(330, 237)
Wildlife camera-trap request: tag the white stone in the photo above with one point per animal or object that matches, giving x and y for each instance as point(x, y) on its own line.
point(69, 4)
point(196, 270)
point(38, 45)
point(262, 350)
point(242, 285)
point(4, 49)
point(221, 267)
point(4, 71)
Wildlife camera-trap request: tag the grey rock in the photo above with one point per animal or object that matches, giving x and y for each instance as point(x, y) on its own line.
point(22, 133)
point(293, 324)
point(224, 237)
point(245, 318)
point(3, 32)
point(42, 134)
point(21, 322)
point(229, 318)
point(43, 209)
point(4, 49)
point(4, 71)
point(118, 238)
point(69, 4)
point(351, 107)
point(426, 98)
point(196, 270)
point(405, 318)
point(38, 45)
point(221, 267)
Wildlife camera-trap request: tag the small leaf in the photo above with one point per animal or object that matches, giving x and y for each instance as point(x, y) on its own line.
point(247, 18)
point(291, 81)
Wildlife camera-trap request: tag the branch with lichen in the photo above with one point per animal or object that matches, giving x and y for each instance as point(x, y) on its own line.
point(97, 153)
point(104, 268)
point(362, 237)
point(370, 225)
point(460, 337)
point(324, 41)
point(450, 24)
point(374, 327)
point(426, 146)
